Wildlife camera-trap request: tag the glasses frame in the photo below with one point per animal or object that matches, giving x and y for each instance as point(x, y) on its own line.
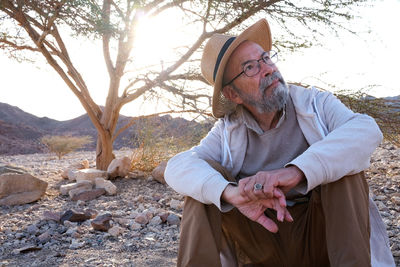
point(266, 59)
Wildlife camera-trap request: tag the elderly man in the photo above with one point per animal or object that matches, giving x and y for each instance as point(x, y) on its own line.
point(278, 181)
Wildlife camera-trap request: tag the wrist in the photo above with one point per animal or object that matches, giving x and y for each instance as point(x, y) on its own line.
point(229, 193)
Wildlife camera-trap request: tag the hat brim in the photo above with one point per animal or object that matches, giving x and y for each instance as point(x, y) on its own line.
point(259, 33)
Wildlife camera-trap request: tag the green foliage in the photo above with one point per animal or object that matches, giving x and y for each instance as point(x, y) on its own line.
point(62, 145)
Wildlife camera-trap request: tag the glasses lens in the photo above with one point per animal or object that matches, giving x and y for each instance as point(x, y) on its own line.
point(273, 56)
point(251, 68)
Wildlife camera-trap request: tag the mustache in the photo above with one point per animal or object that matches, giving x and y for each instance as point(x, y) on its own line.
point(267, 81)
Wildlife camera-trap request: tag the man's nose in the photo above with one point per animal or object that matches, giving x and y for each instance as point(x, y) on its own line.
point(267, 68)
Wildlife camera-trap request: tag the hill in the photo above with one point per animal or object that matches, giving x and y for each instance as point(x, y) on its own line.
point(20, 132)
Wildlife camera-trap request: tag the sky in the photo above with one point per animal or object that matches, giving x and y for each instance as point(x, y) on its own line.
point(347, 61)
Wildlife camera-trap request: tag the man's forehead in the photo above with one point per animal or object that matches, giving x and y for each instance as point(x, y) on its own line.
point(246, 51)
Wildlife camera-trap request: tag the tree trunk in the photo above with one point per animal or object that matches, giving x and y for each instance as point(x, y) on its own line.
point(104, 152)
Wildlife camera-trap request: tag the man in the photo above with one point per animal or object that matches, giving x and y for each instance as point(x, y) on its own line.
point(278, 180)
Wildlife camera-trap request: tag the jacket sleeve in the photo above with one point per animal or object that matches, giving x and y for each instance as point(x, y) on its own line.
point(349, 141)
point(189, 174)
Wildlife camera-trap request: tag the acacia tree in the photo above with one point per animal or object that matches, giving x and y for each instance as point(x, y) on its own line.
point(40, 26)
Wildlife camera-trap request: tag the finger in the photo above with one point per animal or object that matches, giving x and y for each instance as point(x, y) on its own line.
point(249, 190)
point(242, 184)
point(281, 196)
point(288, 217)
point(280, 211)
point(267, 223)
point(268, 189)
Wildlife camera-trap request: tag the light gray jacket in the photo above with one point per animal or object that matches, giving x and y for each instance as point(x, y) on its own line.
point(334, 133)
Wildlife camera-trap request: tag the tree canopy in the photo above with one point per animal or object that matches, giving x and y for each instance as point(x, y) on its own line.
point(41, 27)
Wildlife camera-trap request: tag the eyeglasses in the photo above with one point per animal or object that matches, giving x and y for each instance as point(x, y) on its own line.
point(252, 67)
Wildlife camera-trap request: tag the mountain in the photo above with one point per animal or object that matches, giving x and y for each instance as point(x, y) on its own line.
point(20, 132)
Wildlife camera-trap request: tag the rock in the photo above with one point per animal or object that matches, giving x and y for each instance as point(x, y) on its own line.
point(75, 244)
point(115, 231)
point(90, 174)
point(32, 229)
point(102, 222)
point(11, 169)
point(73, 215)
point(175, 204)
point(163, 216)
point(135, 226)
point(110, 188)
point(17, 189)
point(173, 219)
point(72, 175)
point(51, 216)
point(88, 195)
point(142, 219)
point(45, 237)
point(119, 167)
point(84, 164)
point(26, 249)
point(64, 189)
point(158, 172)
point(136, 174)
point(395, 200)
point(155, 221)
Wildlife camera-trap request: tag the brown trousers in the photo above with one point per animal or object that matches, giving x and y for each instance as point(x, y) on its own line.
point(331, 229)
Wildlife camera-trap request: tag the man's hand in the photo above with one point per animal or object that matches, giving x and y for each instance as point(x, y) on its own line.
point(284, 179)
point(254, 209)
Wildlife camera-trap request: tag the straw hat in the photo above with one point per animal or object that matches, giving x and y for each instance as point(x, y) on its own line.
point(216, 54)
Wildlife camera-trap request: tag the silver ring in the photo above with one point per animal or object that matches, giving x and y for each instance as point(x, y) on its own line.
point(258, 187)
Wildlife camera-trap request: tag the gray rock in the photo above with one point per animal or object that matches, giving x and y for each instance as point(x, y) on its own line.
point(173, 219)
point(17, 189)
point(32, 229)
point(90, 174)
point(119, 167)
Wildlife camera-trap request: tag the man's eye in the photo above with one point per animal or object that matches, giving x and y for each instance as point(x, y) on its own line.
point(248, 67)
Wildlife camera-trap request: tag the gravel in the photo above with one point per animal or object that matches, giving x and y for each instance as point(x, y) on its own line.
point(145, 217)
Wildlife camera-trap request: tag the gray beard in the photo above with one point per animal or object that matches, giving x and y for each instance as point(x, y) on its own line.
point(276, 101)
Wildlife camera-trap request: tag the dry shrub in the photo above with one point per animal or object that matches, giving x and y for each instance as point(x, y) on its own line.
point(62, 145)
point(155, 144)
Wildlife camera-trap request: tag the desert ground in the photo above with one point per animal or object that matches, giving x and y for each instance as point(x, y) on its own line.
point(49, 243)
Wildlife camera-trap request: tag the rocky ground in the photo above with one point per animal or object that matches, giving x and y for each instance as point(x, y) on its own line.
point(49, 243)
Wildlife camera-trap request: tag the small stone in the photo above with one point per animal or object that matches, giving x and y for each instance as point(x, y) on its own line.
point(164, 216)
point(75, 244)
point(173, 219)
point(73, 215)
point(115, 231)
point(26, 249)
point(72, 175)
point(64, 189)
point(175, 204)
point(102, 222)
point(32, 229)
point(158, 172)
point(395, 200)
point(142, 219)
point(70, 224)
point(135, 226)
point(51, 216)
point(88, 195)
point(44, 238)
point(155, 221)
point(110, 188)
point(136, 174)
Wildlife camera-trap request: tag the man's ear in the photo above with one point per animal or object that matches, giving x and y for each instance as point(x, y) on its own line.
point(231, 94)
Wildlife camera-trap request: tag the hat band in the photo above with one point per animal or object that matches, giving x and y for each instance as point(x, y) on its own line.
point(221, 54)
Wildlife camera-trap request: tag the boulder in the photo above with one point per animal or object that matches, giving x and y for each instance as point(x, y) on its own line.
point(119, 167)
point(90, 174)
point(17, 189)
point(64, 189)
point(158, 172)
point(110, 188)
